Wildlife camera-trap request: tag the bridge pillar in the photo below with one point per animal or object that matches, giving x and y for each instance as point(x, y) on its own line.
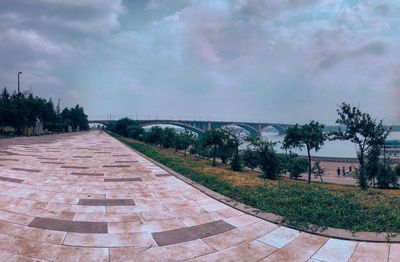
point(208, 126)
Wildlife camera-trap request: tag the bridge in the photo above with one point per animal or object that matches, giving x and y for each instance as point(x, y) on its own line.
point(200, 127)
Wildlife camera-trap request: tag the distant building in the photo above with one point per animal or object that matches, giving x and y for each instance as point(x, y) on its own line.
point(392, 149)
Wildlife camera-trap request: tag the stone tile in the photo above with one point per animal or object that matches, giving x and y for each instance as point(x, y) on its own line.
point(373, 252)
point(26, 170)
point(86, 174)
point(181, 251)
point(394, 254)
point(9, 179)
point(69, 226)
point(146, 226)
point(67, 254)
point(247, 251)
point(191, 233)
point(300, 249)
point(128, 179)
point(336, 250)
point(280, 237)
point(32, 249)
point(137, 240)
point(106, 202)
point(75, 167)
point(241, 221)
point(239, 235)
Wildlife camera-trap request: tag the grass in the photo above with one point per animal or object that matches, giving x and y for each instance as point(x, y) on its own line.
point(325, 205)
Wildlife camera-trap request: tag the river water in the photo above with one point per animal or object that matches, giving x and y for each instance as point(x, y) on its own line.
point(329, 149)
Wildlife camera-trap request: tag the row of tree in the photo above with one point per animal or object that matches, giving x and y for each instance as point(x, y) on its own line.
point(21, 111)
point(223, 144)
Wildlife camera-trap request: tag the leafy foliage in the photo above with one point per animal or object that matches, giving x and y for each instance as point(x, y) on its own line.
point(311, 136)
point(362, 130)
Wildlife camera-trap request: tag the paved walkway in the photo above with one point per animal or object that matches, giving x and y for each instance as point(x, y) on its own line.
point(87, 197)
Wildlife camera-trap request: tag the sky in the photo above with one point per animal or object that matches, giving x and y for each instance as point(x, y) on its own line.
point(286, 61)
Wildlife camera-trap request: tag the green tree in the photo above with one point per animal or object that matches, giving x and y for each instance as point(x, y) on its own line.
point(311, 136)
point(215, 139)
point(250, 158)
point(184, 140)
point(168, 137)
point(372, 165)
point(268, 159)
point(362, 130)
point(296, 166)
point(154, 135)
point(135, 131)
point(318, 171)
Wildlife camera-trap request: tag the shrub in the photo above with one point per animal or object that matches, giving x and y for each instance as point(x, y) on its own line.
point(297, 166)
point(237, 163)
point(250, 158)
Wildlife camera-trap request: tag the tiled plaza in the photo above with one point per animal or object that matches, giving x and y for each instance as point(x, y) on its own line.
point(87, 197)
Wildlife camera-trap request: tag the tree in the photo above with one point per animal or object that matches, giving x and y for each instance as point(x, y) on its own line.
point(214, 139)
point(372, 165)
point(318, 171)
point(268, 159)
point(168, 137)
point(310, 135)
point(135, 131)
point(154, 135)
point(184, 140)
point(362, 130)
point(250, 158)
point(235, 139)
point(296, 166)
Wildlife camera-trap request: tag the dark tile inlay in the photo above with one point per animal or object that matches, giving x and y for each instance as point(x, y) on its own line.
point(76, 167)
point(25, 170)
point(122, 155)
point(8, 179)
point(55, 163)
point(106, 202)
point(191, 233)
point(86, 174)
point(47, 158)
point(8, 159)
point(69, 226)
point(162, 175)
point(116, 166)
point(126, 161)
point(82, 156)
point(122, 179)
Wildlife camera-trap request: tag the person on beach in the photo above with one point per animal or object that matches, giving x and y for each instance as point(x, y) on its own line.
point(338, 171)
point(350, 169)
point(343, 171)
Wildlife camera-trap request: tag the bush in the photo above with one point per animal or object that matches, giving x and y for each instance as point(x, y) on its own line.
point(269, 161)
point(135, 132)
point(250, 159)
point(237, 163)
point(297, 166)
point(386, 176)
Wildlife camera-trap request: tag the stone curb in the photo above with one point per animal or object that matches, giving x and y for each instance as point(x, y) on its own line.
point(276, 219)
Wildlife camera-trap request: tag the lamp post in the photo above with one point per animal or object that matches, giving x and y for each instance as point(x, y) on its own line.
point(18, 82)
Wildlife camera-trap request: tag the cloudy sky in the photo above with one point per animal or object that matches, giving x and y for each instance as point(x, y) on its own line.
point(270, 60)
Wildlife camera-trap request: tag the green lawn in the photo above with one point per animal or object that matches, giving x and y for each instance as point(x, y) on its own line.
point(326, 205)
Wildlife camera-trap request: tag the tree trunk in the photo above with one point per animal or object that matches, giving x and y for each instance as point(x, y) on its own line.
point(214, 155)
point(309, 164)
point(362, 178)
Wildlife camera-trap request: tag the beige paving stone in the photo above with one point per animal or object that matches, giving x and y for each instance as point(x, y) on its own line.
point(336, 250)
point(145, 226)
point(374, 252)
point(177, 252)
point(241, 221)
point(247, 251)
point(239, 235)
point(300, 249)
point(138, 240)
point(67, 254)
point(280, 237)
point(394, 254)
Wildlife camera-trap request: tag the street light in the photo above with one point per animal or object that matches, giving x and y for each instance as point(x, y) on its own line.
point(18, 82)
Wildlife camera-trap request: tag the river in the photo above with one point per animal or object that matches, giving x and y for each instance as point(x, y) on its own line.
point(329, 149)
